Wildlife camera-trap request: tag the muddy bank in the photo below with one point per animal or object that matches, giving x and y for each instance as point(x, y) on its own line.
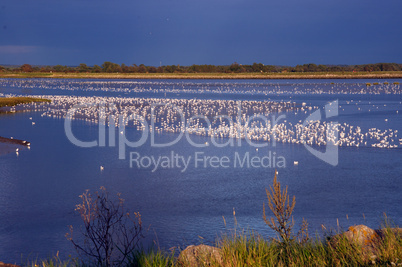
point(8, 145)
point(14, 141)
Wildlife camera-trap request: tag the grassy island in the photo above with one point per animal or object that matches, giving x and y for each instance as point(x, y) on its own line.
point(12, 101)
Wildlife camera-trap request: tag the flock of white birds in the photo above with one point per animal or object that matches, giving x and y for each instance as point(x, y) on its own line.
point(259, 121)
point(216, 87)
point(255, 120)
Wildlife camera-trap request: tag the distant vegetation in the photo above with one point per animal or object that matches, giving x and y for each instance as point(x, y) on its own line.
point(109, 67)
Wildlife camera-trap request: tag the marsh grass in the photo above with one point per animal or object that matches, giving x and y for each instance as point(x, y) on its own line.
point(12, 101)
point(248, 248)
point(254, 250)
point(153, 258)
point(251, 249)
point(54, 261)
point(241, 247)
point(390, 248)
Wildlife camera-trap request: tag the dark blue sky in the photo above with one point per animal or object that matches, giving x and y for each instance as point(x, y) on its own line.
point(185, 32)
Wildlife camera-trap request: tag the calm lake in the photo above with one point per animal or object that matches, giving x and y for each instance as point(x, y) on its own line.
point(182, 205)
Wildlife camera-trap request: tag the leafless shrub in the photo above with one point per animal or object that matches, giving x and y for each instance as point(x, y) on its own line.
point(110, 234)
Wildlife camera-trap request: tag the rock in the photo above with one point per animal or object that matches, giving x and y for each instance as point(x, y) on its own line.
point(362, 236)
point(201, 255)
point(368, 239)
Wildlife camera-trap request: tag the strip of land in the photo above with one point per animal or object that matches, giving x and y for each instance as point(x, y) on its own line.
point(285, 75)
point(14, 141)
point(12, 101)
point(7, 144)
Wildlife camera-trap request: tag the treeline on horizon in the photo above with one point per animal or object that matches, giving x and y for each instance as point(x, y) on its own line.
point(109, 67)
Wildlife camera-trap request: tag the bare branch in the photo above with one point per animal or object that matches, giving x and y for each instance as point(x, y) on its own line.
point(109, 233)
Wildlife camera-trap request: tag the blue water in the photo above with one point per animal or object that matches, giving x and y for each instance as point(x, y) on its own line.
point(39, 188)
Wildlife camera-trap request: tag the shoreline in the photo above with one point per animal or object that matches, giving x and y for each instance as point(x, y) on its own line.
point(5, 140)
point(8, 145)
point(204, 76)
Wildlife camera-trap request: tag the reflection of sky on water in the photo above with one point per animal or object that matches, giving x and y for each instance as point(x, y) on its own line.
point(40, 187)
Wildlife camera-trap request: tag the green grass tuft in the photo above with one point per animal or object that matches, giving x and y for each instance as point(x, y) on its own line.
point(54, 261)
point(153, 257)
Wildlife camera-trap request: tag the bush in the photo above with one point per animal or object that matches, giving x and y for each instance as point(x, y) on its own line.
point(111, 234)
point(282, 208)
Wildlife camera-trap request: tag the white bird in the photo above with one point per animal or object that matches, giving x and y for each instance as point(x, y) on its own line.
point(102, 168)
point(296, 163)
